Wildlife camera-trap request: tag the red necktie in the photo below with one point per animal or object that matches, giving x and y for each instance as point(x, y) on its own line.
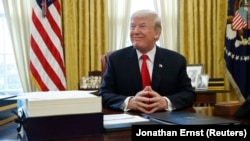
point(144, 72)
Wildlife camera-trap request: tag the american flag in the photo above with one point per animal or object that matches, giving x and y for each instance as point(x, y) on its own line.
point(46, 52)
point(240, 19)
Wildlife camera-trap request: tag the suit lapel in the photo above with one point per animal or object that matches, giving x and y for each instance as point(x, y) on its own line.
point(134, 69)
point(158, 68)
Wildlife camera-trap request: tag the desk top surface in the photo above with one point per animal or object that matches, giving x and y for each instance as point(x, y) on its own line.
point(9, 131)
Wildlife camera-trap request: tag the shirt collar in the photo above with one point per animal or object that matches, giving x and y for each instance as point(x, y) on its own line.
point(150, 54)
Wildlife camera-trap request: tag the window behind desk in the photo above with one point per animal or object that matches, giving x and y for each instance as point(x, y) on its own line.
point(9, 77)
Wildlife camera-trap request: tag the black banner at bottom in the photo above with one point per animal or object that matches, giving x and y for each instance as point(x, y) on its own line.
point(209, 132)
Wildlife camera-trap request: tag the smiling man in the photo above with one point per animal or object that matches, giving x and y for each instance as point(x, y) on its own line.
point(169, 87)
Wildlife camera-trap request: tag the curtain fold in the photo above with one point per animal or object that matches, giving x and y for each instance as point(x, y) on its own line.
point(168, 10)
point(85, 37)
point(202, 36)
point(18, 14)
point(118, 16)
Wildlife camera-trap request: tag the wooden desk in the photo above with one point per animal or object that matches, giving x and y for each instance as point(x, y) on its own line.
point(9, 132)
point(207, 96)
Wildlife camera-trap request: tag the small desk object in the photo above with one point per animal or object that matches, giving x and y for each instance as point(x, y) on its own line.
point(204, 97)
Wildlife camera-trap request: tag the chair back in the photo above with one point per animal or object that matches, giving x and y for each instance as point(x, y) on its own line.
point(104, 59)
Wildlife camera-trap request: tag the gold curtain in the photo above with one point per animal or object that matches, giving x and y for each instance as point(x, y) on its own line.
point(202, 36)
point(85, 37)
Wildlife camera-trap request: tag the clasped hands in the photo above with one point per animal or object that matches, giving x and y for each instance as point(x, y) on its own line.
point(147, 101)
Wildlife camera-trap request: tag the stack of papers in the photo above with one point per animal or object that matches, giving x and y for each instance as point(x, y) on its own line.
point(119, 121)
point(51, 103)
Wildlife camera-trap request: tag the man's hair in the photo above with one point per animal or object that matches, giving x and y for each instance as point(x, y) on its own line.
point(149, 13)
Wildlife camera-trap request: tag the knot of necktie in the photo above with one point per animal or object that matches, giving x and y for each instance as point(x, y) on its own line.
point(144, 57)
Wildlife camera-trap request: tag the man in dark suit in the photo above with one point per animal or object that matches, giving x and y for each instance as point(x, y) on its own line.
point(170, 87)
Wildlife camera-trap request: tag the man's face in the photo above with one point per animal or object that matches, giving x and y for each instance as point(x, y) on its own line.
point(142, 34)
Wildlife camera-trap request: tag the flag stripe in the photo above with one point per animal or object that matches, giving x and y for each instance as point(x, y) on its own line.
point(40, 67)
point(57, 30)
point(45, 64)
point(46, 55)
point(38, 79)
point(47, 39)
point(55, 26)
point(238, 22)
point(45, 77)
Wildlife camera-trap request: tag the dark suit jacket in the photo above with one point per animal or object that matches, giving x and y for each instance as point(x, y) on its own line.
point(169, 78)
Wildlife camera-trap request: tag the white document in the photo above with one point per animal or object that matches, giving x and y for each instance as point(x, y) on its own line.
point(52, 103)
point(116, 121)
point(55, 95)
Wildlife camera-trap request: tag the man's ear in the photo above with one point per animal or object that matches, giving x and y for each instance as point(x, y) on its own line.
point(157, 35)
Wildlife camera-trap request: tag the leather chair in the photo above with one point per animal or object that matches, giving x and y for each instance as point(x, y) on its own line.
point(95, 73)
point(104, 59)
